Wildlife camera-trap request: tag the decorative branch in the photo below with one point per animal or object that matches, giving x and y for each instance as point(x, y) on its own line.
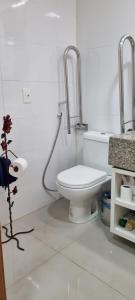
point(7, 126)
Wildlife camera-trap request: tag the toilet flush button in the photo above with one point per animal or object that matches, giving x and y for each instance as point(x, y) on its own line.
point(26, 95)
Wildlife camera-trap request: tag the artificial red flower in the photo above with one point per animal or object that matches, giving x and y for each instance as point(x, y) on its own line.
point(7, 124)
point(4, 145)
point(14, 191)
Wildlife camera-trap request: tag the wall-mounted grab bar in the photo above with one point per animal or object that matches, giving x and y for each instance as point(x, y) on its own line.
point(121, 79)
point(65, 57)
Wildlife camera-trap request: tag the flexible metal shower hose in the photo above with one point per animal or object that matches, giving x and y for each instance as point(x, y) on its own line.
point(50, 156)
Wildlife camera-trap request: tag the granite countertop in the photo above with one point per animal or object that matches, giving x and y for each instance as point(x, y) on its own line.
point(122, 151)
point(129, 135)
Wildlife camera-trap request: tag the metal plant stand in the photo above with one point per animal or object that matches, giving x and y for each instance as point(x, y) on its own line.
point(11, 235)
point(9, 232)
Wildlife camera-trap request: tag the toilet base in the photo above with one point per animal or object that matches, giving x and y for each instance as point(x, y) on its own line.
point(82, 212)
point(83, 201)
point(86, 219)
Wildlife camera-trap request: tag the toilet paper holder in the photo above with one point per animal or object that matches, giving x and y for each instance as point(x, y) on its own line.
point(15, 168)
point(10, 152)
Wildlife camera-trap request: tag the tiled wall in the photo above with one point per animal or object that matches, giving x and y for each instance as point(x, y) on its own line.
point(100, 25)
point(33, 35)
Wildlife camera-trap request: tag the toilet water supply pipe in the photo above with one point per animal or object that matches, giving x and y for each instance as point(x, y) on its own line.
point(48, 189)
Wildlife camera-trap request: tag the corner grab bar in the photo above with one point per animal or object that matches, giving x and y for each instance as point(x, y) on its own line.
point(121, 79)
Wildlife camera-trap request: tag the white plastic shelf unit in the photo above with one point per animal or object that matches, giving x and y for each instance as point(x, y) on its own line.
point(120, 207)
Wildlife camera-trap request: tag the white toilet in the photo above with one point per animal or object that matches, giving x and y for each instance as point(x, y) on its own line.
point(82, 184)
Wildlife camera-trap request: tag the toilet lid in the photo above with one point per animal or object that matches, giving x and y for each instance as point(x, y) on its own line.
point(80, 177)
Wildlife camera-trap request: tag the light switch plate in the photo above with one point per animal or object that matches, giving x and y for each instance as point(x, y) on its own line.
point(26, 95)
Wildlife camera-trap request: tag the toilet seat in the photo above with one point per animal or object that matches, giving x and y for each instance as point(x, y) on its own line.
point(80, 177)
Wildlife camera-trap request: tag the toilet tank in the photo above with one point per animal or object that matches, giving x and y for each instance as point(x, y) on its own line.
point(95, 150)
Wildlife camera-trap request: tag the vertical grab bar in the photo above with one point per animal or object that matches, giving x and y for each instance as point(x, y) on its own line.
point(66, 52)
point(121, 79)
point(67, 92)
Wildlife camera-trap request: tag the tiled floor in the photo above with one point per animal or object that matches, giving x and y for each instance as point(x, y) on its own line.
point(65, 261)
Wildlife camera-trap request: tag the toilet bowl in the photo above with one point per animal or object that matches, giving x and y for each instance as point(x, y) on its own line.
point(81, 185)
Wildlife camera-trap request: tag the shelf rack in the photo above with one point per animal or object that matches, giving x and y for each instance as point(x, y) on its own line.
point(120, 207)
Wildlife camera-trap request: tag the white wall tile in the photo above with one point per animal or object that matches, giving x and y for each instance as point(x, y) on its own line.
point(30, 62)
point(39, 21)
point(31, 46)
point(102, 63)
point(42, 95)
point(103, 24)
point(105, 124)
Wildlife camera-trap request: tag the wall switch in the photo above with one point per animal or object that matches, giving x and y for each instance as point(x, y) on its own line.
point(26, 95)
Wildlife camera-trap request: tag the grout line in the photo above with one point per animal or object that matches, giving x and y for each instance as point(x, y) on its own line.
point(50, 246)
point(92, 274)
point(33, 270)
point(40, 240)
point(34, 211)
point(36, 82)
point(37, 238)
point(66, 246)
point(23, 228)
point(32, 81)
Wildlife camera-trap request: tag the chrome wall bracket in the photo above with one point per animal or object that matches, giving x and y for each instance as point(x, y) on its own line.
point(83, 126)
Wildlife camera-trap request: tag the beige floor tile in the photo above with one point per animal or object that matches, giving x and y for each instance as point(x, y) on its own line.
point(55, 213)
point(60, 279)
point(52, 225)
point(18, 263)
point(53, 237)
point(108, 258)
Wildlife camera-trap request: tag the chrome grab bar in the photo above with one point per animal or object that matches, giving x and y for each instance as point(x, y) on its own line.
point(121, 79)
point(66, 52)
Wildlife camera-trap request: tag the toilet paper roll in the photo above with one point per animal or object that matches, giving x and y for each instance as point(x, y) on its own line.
point(126, 192)
point(18, 167)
